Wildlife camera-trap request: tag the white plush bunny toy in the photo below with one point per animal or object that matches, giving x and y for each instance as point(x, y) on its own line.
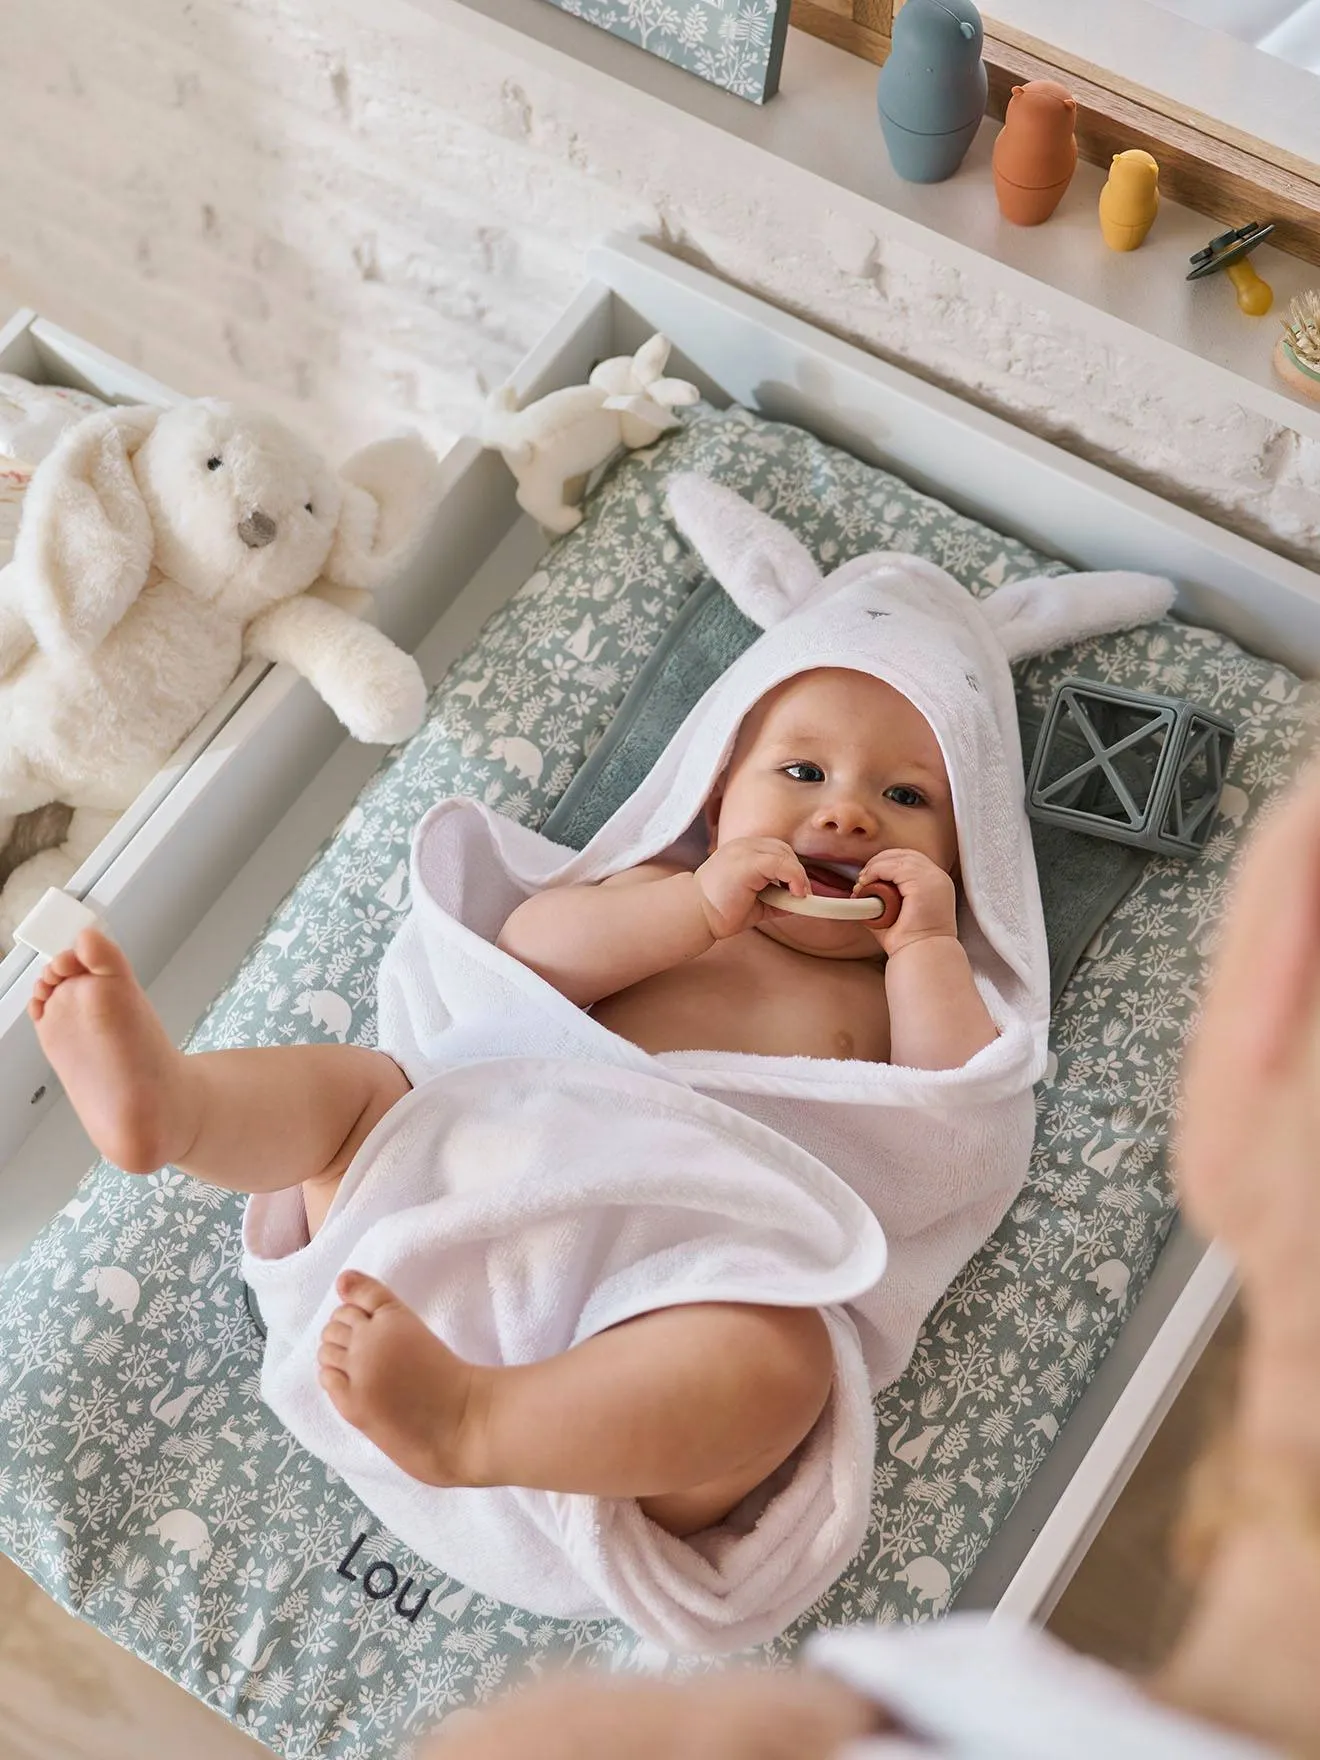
point(554, 444)
point(159, 549)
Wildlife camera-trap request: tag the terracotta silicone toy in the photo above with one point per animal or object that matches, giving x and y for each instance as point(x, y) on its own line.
point(1229, 251)
point(1130, 199)
point(1036, 153)
point(932, 89)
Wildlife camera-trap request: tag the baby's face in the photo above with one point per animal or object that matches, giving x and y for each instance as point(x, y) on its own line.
point(840, 766)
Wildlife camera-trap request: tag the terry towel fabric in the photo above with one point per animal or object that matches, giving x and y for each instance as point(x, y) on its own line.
point(547, 1179)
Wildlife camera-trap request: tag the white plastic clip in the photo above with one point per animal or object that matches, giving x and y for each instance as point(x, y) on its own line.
point(55, 924)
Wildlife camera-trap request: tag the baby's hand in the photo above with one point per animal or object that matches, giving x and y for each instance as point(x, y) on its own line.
point(930, 898)
point(730, 879)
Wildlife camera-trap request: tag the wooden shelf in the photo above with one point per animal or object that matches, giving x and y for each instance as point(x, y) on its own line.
point(1207, 166)
point(821, 134)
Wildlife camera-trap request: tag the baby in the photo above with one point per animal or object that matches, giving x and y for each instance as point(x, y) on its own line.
point(836, 783)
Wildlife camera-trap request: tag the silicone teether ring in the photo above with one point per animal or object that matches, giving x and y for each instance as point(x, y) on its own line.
point(857, 910)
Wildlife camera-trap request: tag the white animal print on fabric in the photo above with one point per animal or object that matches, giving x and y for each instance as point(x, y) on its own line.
point(201, 1536)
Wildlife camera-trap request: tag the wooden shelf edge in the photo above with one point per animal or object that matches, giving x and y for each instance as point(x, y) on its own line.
point(844, 33)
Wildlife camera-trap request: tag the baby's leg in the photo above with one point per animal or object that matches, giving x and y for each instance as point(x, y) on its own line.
point(686, 1409)
point(254, 1121)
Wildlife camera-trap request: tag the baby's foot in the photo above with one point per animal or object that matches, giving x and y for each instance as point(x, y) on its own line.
point(108, 1048)
point(392, 1378)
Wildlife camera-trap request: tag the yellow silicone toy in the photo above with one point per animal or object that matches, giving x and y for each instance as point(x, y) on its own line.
point(1130, 199)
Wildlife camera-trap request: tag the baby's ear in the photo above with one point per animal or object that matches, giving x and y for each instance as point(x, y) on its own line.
point(758, 562)
point(1051, 611)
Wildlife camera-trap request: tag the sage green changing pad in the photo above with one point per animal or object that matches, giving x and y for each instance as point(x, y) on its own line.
point(143, 1483)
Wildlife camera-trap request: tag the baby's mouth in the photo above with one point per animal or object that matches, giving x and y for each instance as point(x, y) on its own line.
point(831, 879)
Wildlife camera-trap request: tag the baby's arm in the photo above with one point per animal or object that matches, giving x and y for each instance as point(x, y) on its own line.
point(593, 941)
point(937, 1019)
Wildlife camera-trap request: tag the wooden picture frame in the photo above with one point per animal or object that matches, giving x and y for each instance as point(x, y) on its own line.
point(1204, 163)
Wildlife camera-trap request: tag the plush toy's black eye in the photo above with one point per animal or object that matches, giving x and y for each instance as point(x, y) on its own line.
point(310, 508)
point(213, 464)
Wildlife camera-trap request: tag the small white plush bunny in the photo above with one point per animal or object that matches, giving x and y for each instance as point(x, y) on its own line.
point(158, 550)
point(554, 444)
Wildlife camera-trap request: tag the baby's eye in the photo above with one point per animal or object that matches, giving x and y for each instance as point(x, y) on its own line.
point(817, 774)
point(912, 796)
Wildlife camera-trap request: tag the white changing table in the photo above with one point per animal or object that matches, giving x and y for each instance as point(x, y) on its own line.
point(737, 348)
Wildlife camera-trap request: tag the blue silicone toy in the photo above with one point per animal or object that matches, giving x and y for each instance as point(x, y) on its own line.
point(932, 90)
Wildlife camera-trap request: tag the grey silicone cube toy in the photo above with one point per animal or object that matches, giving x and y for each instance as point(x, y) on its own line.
point(1131, 766)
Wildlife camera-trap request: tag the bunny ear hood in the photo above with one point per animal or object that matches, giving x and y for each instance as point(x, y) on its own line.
point(760, 564)
point(909, 623)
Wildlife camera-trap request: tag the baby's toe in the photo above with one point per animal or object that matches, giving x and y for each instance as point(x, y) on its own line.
point(363, 1292)
point(332, 1356)
point(96, 953)
point(64, 965)
point(338, 1331)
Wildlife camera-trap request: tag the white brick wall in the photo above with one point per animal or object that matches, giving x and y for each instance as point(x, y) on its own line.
point(358, 215)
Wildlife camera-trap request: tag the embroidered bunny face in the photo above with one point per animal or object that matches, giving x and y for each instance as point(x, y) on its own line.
point(243, 511)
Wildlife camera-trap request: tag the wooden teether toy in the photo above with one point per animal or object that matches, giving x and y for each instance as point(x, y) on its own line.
point(871, 909)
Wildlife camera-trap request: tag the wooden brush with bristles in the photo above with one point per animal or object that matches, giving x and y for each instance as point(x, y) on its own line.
point(1297, 352)
point(1302, 328)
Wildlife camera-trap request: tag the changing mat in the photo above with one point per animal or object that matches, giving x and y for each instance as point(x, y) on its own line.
point(146, 1486)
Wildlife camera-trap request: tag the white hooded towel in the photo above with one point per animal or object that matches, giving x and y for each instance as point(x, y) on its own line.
point(547, 1179)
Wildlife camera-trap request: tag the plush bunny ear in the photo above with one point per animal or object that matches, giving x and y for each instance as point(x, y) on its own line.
point(624, 373)
point(1033, 616)
point(758, 562)
point(649, 361)
point(390, 489)
point(84, 546)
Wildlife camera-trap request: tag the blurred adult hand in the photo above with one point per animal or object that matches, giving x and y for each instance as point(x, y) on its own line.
point(743, 1716)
